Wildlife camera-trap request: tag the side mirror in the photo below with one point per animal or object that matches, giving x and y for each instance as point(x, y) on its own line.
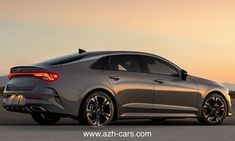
point(184, 74)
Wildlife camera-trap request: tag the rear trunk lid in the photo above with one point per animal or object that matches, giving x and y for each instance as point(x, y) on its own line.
point(23, 82)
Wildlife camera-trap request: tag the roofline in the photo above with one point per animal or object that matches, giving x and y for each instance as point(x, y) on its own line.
point(103, 53)
point(120, 52)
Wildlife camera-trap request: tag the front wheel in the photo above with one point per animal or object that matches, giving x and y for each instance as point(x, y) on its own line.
point(214, 110)
point(45, 118)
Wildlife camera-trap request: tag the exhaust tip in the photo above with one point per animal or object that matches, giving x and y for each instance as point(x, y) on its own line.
point(37, 109)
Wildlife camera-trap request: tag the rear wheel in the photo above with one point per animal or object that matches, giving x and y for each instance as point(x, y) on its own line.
point(45, 118)
point(214, 110)
point(98, 110)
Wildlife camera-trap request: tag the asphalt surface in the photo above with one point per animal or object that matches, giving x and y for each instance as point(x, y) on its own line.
point(20, 127)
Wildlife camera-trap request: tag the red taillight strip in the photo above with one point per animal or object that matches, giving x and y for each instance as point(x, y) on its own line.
point(47, 76)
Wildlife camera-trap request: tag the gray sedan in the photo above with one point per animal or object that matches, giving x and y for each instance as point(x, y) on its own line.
point(99, 87)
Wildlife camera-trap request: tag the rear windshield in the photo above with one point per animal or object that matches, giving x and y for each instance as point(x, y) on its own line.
point(64, 59)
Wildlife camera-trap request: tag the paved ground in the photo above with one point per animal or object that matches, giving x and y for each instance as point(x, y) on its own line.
point(15, 126)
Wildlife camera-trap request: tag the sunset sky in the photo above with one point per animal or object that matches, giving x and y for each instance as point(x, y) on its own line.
point(197, 35)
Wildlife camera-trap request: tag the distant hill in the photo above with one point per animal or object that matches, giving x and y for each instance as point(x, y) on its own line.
point(3, 81)
point(230, 86)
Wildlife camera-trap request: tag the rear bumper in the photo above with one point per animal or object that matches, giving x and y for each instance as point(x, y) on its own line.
point(45, 101)
point(37, 108)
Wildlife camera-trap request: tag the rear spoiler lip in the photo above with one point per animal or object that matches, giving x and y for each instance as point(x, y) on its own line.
point(20, 69)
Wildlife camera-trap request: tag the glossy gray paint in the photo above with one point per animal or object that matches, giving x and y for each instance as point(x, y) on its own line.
point(137, 94)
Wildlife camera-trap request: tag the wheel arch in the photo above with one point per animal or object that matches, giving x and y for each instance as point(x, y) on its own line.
point(216, 92)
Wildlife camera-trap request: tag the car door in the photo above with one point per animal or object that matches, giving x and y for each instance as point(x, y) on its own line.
point(172, 95)
point(133, 88)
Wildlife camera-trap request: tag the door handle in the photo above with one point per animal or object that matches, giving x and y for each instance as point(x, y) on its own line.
point(114, 78)
point(160, 81)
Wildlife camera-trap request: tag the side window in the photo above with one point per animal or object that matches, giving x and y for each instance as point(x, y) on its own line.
point(124, 63)
point(100, 63)
point(154, 65)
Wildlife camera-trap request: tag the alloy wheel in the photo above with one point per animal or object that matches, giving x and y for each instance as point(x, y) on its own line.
point(99, 110)
point(214, 109)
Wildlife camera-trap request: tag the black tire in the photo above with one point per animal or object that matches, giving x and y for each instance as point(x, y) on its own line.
point(97, 110)
point(214, 110)
point(45, 118)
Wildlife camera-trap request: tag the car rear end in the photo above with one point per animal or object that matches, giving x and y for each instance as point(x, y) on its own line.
point(51, 86)
point(30, 90)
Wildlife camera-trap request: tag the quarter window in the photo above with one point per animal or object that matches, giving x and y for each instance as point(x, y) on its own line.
point(128, 63)
point(100, 63)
